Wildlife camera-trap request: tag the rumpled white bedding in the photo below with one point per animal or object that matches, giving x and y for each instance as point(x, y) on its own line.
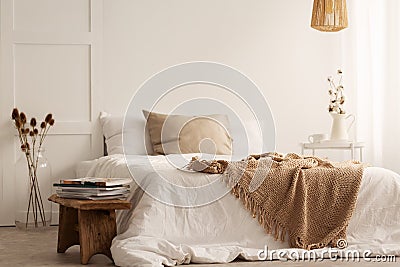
point(156, 234)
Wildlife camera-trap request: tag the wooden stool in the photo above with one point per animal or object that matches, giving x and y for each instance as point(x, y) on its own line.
point(88, 223)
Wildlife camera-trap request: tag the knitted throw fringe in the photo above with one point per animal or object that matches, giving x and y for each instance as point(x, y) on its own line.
point(270, 225)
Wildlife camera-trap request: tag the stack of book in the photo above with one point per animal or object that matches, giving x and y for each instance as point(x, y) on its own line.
point(93, 188)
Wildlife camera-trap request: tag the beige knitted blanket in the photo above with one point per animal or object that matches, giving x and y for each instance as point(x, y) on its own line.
point(308, 198)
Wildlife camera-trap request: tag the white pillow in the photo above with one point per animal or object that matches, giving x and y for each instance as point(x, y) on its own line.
point(112, 131)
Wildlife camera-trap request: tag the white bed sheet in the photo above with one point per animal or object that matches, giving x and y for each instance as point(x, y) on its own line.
point(156, 234)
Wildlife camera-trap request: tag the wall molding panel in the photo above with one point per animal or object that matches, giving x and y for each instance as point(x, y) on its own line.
point(56, 38)
point(51, 61)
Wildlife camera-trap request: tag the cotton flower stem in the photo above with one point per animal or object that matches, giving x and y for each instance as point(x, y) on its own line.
point(337, 98)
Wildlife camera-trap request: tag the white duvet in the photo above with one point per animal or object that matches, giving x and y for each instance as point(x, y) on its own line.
point(156, 234)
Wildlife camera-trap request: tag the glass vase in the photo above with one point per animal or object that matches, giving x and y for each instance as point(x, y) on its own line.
point(32, 209)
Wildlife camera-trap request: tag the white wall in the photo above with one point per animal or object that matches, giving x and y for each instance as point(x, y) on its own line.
point(81, 57)
point(269, 41)
point(50, 62)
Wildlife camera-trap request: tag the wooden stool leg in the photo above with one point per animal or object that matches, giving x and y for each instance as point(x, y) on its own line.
point(67, 229)
point(97, 228)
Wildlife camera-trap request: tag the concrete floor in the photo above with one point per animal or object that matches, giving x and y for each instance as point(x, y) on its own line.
point(38, 249)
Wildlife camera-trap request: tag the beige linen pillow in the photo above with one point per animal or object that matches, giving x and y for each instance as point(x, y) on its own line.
point(179, 134)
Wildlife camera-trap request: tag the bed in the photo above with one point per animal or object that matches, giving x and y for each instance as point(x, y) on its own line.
point(156, 234)
point(169, 225)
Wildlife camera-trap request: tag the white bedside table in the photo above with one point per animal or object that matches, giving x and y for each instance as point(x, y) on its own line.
point(352, 146)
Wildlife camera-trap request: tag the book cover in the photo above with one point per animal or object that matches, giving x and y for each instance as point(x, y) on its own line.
point(63, 193)
point(83, 188)
point(119, 196)
point(95, 181)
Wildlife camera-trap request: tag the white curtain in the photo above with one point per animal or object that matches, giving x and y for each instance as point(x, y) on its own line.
point(371, 49)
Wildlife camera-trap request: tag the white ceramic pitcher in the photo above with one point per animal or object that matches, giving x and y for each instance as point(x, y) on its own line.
point(339, 130)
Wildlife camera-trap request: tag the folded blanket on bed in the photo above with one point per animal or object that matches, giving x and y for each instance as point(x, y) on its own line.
point(309, 198)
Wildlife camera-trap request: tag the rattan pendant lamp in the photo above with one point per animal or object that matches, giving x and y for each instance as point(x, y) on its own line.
point(329, 15)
